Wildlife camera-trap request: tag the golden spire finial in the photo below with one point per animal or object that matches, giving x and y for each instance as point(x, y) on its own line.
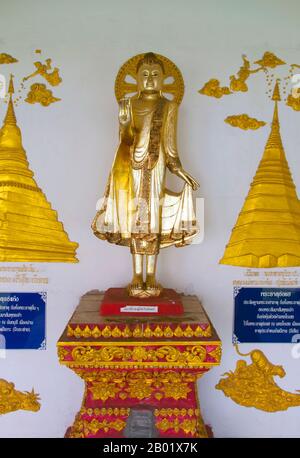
point(11, 89)
point(10, 117)
point(274, 140)
point(276, 93)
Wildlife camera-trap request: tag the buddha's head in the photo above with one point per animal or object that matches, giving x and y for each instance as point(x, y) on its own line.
point(150, 74)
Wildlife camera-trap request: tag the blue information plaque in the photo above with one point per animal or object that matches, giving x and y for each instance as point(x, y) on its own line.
point(266, 315)
point(23, 320)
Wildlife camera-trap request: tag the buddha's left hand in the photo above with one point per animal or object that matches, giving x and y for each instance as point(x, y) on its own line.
point(188, 179)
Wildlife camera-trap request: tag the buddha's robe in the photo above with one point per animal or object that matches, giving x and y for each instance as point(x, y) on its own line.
point(137, 210)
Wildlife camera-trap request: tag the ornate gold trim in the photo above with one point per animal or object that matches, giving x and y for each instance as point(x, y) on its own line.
point(141, 384)
point(120, 376)
point(116, 411)
point(168, 412)
point(15, 184)
point(196, 354)
point(188, 426)
point(159, 331)
point(94, 426)
point(188, 355)
point(138, 343)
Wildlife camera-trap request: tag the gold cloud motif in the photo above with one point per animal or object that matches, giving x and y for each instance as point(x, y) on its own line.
point(40, 94)
point(7, 58)
point(269, 60)
point(243, 121)
point(213, 89)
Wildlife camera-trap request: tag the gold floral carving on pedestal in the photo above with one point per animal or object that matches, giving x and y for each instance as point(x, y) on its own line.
point(147, 332)
point(104, 391)
point(139, 390)
point(76, 431)
point(188, 426)
point(62, 353)
point(83, 428)
point(132, 376)
point(253, 385)
point(189, 354)
point(141, 384)
point(176, 391)
point(111, 411)
point(95, 425)
point(12, 400)
point(169, 412)
point(187, 420)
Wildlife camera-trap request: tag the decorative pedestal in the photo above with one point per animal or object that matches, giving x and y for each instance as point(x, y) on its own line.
point(134, 366)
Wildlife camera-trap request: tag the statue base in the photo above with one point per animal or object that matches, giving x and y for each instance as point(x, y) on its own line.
point(140, 372)
point(116, 301)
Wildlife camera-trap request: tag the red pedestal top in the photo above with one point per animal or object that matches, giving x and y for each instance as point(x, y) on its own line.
point(116, 301)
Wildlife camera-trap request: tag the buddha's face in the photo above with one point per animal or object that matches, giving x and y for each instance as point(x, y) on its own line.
point(150, 78)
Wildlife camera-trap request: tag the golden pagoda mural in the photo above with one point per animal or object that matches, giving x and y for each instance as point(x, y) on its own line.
point(29, 228)
point(267, 231)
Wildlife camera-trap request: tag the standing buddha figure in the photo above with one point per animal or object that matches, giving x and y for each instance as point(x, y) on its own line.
point(138, 210)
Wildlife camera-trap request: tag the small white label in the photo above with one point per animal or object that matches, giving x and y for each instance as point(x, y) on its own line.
point(140, 309)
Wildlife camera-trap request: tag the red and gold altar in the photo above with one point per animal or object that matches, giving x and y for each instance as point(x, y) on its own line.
point(139, 362)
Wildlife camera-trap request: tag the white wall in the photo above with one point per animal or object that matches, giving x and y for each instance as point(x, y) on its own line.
point(71, 144)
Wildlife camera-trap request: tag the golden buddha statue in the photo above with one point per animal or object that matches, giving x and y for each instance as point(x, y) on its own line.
point(138, 210)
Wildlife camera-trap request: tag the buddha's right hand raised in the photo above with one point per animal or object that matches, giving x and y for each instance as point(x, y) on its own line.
point(124, 112)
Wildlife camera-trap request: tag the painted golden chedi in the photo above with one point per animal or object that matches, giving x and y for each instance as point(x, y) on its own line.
point(29, 227)
point(267, 231)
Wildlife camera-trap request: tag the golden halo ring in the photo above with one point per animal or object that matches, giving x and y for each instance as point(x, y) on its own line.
point(123, 87)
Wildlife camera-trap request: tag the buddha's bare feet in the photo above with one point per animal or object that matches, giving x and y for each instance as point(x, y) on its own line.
point(136, 287)
point(153, 288)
